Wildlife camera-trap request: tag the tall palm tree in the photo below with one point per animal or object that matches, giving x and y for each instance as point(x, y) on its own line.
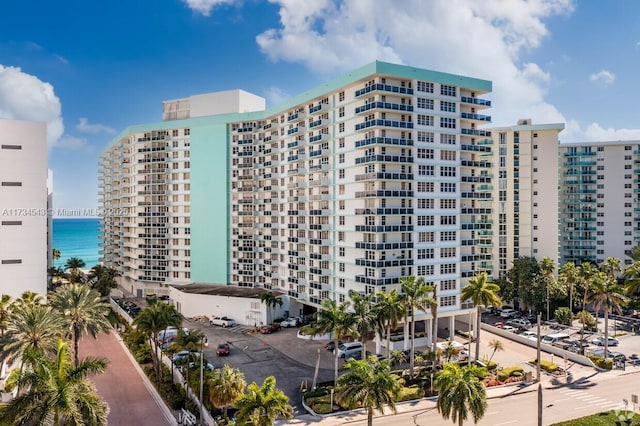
point(263, 405)
point(226, 385)
point(612, 267)
point(365, 318)
point(271, 301)
point(333, 318)
point(29, 298)
point(82, 311)
point(586, 272)
point(190, 341)
point(632, 279)
point(58, 392)
point(481, 293)
point(460, 393)
point(56, 273)
point(607, 295)
point(369, 385)
point(31, 327)
point(548, 266)
point(103, 279)
point(390, 311)
point(74, 266)
point(497, 346)
point(55, 254)
point(568, 275)
point(416, 297)
point(151, 321)
point(5, 312)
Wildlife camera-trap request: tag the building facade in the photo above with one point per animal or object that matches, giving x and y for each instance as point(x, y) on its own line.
point(25, 251)
point(382, 173)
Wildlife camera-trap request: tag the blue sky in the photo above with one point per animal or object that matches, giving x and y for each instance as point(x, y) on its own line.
point(92, 68)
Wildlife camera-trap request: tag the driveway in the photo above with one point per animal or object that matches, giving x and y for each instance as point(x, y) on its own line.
point(121, 385)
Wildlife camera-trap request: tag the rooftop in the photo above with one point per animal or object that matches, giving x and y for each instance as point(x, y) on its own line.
point(225, 290)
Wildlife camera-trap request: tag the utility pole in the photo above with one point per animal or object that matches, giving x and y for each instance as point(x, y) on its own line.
point(538, 374)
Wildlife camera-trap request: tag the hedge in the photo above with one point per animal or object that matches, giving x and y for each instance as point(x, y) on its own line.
point(605, 364)
point(505, 373)
point(547, 366)
point(410, 393)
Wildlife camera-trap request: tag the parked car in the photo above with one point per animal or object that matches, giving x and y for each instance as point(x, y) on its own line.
point(221, 321)
point(510, 328)
point(331, 345)
point(291, 322)
point(223, 349)
point(346, 350)
point(616, 356)
point(358, 355)
point(529, 335)
point(493, 310)
point(268, 329)
point(498, 324)
point(508, 313)
point(181, 356)
point(599, 341)
point(550, 339)
point(519, 323)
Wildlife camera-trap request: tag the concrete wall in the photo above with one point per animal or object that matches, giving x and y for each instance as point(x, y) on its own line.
point(225, 102)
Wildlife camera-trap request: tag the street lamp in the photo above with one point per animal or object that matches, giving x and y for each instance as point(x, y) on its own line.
point(203, 342)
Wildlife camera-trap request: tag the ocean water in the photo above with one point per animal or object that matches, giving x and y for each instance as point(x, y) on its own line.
point(77, 238)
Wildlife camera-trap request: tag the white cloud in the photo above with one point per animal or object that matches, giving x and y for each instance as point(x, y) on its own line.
point(61, 58)
point(72, 143)
point(594, 132)
point(275, 95)
point(25, 97)
point(84, 126)
point(604, 78)
point(204, 7)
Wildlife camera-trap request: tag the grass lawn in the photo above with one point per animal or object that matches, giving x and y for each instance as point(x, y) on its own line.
point(608, 418)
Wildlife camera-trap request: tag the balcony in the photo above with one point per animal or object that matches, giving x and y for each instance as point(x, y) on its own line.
point(317, 123)
point(384, 246)
point(384, 176)
point(384, 141)
point(475, 148)
point(384, 88)
point(475, 132)
point(384, 228)
point(479, 117)
point(385, 193)
point(384, 263)
point(384, 158)
point(384, 123)
point(475, 101)
point(385, 211)
point(384, 105)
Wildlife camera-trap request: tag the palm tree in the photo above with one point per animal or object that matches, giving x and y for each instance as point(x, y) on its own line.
point(369, 385)
point(262, 405)
point(416, 292)
point(568, 275)
point(497, 346)
point(548, 266)
point(29, 298)
point(5, 312)
point(449, 351)
point(190, 341)
point(74, 266)
point(586, 271)
point(390, 311)
point(397, 357)
point(632, 279)
point(56, 273)
point(30, 327)
point(151, 321)
point(82, 311)
point(365, 319)
point(225, 387)
point(481, 293)
point(606, 294)
point(333, 318)
point(59, 392)
point(611, 266)
point(271, 301)
point(103, 279)
point(460, 393)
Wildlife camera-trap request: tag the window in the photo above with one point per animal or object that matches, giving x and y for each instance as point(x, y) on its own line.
point(11, 261)
point(340, 96)
point(448, 203)
point(447, 139)
point(425, 103)
point(425, 186)
point(425, 137)
point(448, 236)
point(11, 183)
point(447, 123)
point(423, 170)
point(447, 187)
point(447, 155)
point(11, 222)
point(341, 267)
point(425, 253)
point(341, 173)
point(425, 153)
point(447, 106)
point(447, 171)
point(447, 90)
point(447, 252)
point(341, 220)
point(425, 87)
point(425, 120)
point(425, 221)
point(341, 158)
point(448, 301)
point(448, 268)
point(341, 127)
point(447, 220)
point(425, 237)
point(425, 270)
point(448, 285)
point(425, 203)
point(341, 143)
point(11, 146)
point(341, 251)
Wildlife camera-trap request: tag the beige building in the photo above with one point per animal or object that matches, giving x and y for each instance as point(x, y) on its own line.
point(24, 219)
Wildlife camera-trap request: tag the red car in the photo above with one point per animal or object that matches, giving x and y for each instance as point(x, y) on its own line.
point(223, 349)
point(268, 329)
point(498, 324)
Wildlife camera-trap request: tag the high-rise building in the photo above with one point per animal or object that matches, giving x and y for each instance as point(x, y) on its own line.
point(379, 174)
point(24, 219)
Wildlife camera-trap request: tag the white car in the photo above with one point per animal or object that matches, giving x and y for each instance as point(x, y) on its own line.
point(508, 313)
point(290, 322)
point(222, 321)
point(509, 328)
point(529, 335)
point(599, 341)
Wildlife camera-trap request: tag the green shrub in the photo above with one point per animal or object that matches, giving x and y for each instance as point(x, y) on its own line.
point(548, 366)
point(505, 373)
point(322, 408)
point(410, 393)
point(491, 365)
point(317, 392)
point(605, 364)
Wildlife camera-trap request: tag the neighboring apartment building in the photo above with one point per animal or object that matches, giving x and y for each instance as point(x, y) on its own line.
point(526, 193)
point(24, 201)
point(379, 174)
